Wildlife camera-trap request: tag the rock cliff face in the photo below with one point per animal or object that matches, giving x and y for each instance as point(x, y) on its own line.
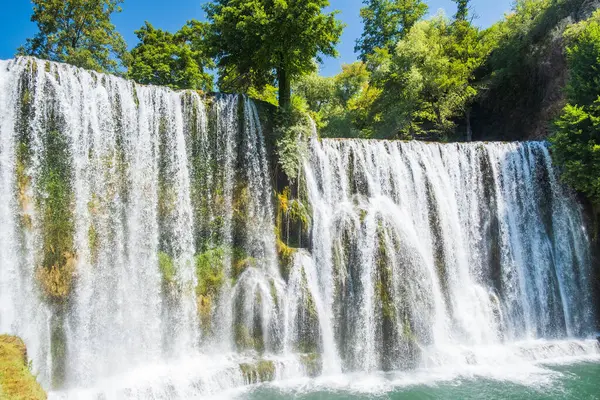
point(522, 104)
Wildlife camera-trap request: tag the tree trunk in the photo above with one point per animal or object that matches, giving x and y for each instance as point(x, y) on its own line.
point(285, 88)
point(469, 131)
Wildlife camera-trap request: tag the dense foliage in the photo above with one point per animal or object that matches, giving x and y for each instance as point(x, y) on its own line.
point(260, 42)
point(421, 80)
point(444, 74)
point(386, 22)
point(176, 60)
point(77, 32)
point(576, 142)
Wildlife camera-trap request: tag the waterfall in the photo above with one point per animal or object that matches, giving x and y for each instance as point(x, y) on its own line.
point(141, 253)
point(434, 246)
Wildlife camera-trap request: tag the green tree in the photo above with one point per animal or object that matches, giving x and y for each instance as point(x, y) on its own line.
point(175, 60)
point(576, 141)
point(78, 32)
point(526, 72)
point(340, 105)
point(386, 22)
point(462, 10)
point(261, 42)
point(318, 91)
point(428, 83)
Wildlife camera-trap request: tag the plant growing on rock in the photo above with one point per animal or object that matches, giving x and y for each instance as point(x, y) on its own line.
point(16, 380)
point(210, 274)
point(576, 140)
point(293, 128)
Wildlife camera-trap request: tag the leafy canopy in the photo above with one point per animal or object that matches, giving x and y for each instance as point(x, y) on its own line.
point(386, 22)
point(576, 141)
point(428, 83)
point(78, 32)
point(260, 42)
point(340, 105)
point(175, 60)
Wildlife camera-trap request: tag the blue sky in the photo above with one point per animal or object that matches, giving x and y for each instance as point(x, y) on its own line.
point(15, 25)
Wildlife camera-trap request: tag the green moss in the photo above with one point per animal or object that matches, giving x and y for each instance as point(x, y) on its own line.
point(16, 380)
point(26, 97)
point(286, 257)
point(241, 262)
point(243, 339)
point(363, 214)
point(309, 302)
point(23, 186)
point(312, 363)
point(23, 153)
point(290, 210)
point(387, 307)
point(241, 201)
point(166, 200)
point(167, 268)
point(210, 273)
point(261, 371)
point(383, 283)
point(56, 272)
point(32, 64)
point(408, 333)
point(273, 291)
point(136, 100)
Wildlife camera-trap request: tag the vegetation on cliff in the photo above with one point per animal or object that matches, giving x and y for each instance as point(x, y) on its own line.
point(16, 379)
point(576, 142)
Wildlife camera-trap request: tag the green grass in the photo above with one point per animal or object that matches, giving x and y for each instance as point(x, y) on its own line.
point(16, 381)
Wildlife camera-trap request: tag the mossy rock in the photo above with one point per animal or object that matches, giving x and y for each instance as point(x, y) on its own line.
point(55, 202)
point(246, 340)
point(241, 264)
point(293, 219)
point(204, 305)
point(261, 371)
point(56, 281)
point(167, 269)
point(23, 185)
point(93, 242)
point(286, 255)
point(210, 271)
point(210, 274)
point(312, 363)
point(16, 380)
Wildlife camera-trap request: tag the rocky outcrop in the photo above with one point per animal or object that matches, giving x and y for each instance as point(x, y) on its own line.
point(524, 97)
point(16, 380)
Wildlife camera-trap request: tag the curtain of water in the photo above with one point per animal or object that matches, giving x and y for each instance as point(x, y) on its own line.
point(434, 245)
point(139, 254)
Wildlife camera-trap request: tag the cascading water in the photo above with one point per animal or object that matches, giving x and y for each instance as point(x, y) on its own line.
point(141, 253)
point(425, 248)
